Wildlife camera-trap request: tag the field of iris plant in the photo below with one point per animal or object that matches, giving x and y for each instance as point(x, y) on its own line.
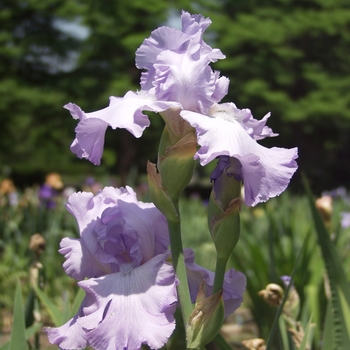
point(272, 236)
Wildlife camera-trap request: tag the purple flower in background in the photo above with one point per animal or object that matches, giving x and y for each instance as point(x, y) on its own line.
point(339, 192)
point(130, 288)
point(233, 287)
point(345, 220)
point(47, 195)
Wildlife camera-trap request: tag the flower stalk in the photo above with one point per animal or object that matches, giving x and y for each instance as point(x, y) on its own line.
point(180, 268)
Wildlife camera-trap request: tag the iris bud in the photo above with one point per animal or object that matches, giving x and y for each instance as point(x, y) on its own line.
point(175, 161)
point(224, 206)
point(159, 195)
point(206, 319)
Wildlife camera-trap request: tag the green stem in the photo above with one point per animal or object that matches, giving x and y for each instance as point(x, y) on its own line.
point(180, 269)
point(219, 274)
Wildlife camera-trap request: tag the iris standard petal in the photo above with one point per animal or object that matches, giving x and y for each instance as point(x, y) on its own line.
point(177, 65)
point(85, 256)
point(80, 262)
point(188, 80)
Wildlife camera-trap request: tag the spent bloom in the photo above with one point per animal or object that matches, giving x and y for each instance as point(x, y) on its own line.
point(120, 263)
point(177, 76)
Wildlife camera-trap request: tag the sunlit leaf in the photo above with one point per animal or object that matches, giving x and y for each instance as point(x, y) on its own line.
point(55, 313)
point(77, 302)
point(285, 297)
point(339, 286)
point(308, 334)
point(18, 334)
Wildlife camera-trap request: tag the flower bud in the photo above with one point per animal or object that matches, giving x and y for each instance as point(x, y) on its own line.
point(175, 161)
point(224, 206)
point(206, 319)
point(159, 195)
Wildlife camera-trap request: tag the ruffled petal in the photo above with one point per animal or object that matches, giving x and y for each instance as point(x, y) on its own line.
point(80, 262)
point(187, 79)
point(88, 256)
point(233, 288)
point(194, 26)
point(141, 217)
point(152, 223)
point(71, 335)
point(177, 65)
point(161, 39)
point(90, 134)
point(131, 308)
point(266, 172)
point(124, 113)
point(81, 254)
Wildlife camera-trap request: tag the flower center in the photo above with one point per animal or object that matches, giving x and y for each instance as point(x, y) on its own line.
point(126, 268)
point(119, 242)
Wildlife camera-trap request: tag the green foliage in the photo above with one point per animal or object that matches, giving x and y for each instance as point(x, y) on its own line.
point(272, 235)
point(338, 282)
point(33, 50)
point(291, 58)
point(58, 51)
point(17, 224)
point(18, 340)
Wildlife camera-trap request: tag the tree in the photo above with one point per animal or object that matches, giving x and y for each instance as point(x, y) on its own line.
point(292, 58)
point(34, 54)
point(44, 65)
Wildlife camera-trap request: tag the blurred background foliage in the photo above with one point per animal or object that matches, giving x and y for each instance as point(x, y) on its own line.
point(289, 57)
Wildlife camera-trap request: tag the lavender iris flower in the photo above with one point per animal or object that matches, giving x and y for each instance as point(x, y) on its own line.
point(230, 134)
point(120, 261)
point(177, 76)
point(48, 195)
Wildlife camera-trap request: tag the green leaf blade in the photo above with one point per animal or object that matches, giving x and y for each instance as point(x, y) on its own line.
point(339, 286)
point(18, 334)
point(56, 314)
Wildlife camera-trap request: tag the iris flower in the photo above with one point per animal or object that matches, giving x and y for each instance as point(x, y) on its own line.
point(230, 134)
point(177, 76)
point(120, 261)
